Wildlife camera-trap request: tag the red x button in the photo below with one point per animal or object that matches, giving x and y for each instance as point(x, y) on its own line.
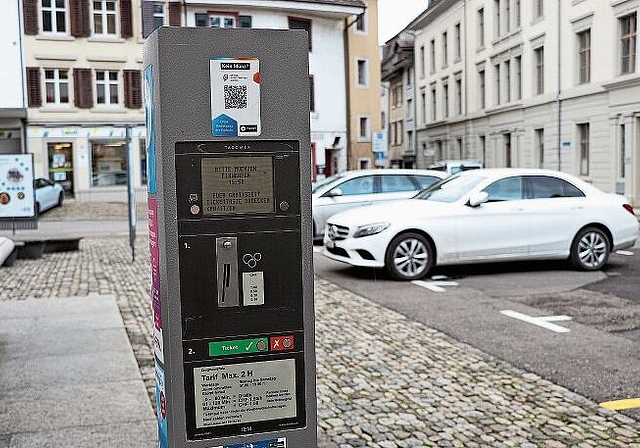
point(281, 343)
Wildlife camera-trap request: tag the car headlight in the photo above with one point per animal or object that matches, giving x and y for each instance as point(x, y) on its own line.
point(370, 229)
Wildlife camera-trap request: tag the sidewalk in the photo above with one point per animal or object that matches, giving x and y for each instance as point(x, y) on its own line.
point(383, 380)
point(68, 377)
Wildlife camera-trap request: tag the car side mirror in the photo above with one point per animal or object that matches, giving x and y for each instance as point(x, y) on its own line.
point(478, 198)
point(334, 192)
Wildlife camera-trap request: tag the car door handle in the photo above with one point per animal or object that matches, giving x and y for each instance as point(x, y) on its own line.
point(517, 209)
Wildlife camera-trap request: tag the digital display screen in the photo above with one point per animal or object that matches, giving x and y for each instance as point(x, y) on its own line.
point(237, 185)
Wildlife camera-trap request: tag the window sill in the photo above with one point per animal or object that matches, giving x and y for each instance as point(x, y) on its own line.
point(108, 110)
point(109, 39)
point(480, 49)
point(58, 37)
point(57, 108)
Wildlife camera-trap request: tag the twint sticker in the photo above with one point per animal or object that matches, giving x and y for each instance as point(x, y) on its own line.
point(245, 393)
point(235, 97)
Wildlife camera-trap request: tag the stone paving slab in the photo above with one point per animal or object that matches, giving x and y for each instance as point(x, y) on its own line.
point(79, 394)
point(383, 380)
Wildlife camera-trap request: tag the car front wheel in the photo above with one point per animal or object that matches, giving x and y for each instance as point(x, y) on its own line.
point(590, 249)
point(410, 256)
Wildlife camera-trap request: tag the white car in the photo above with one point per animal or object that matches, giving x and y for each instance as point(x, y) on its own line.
point(48, 194)
point(486, 215)
point(351, 189)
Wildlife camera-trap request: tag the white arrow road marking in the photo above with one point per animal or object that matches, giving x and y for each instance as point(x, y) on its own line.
point(544, 322)
point(624, 252)
point(434, 286)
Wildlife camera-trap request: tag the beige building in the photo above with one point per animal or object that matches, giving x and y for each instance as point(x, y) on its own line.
point(541, 83)
point(363, 90)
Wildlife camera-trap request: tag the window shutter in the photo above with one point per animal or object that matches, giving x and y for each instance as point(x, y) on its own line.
point(132, 89)
point(83, 93)
point(174, 14)
point(79, 18)
point(33, 87)
point(126, 19)
point(30, 15)
point(147, 18)
point(245, 21)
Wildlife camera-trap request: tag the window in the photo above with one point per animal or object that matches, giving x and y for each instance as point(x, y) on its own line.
point(545, 187)
point(481, 90)
point(496, 18)
point(312, 96)
point(539, 146)
point(397, 131)
point(517, 75)
point(507, 150)
point(363, 73)
point(301, 24)
point(539, 73)
point(245, 21)
point(483, 149)
point(423, 106)
point(507, 15)
point(481, 28)
point(445, 100)
point(409, 110)
point(628, 28)
point(458, 37)
point(410, 73)
point(459, 148)
point(623, 150)
point(107, 87)
point(433, 102)
point(425, 181)
point(56, 86)
point(54, 16)
point(432, 61)
point(108, 163)
point(422, 62)
point(158, 15)
point(445, 50)
point(394, 183)
point(517, 14)
point(143, 161)
point(360, 185)
point(104, 17)
point(458, 96)
point(202, 19)
point(507, 189)
point(507, 75)
point(361, 23)
point(583, 138)
point(538, 8)
point(364, 131)
point(396, 96)
point(584, 57)
point(222, 21)
point(496, 75)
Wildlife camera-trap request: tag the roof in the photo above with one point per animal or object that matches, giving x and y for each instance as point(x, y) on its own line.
point(357, 3)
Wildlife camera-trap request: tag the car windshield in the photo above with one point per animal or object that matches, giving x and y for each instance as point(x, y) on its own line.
point(450, 189)
point(318, 185)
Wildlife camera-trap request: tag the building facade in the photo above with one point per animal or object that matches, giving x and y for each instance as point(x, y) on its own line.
point(515, 83)
point(398, 73)
point(82, 70)
point(363, 86)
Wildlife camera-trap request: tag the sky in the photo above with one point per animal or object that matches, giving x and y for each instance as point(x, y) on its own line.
point(394, 15)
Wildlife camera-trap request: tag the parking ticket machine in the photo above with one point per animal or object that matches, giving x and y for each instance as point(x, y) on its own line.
point(230, 237)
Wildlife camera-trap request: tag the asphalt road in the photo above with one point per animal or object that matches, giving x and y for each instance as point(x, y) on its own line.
point(598, 357)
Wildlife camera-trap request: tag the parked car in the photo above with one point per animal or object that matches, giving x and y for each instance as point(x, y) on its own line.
point(455, 166)
point(486, 215)
point(48, 194)
point(351, 189)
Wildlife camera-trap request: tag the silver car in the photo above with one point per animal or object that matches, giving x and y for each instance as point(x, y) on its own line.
point(356, 188)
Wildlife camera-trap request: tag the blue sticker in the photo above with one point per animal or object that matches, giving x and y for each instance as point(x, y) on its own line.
point(224, 126)
point(149, 118)
point(272, 443)
point(161, 407)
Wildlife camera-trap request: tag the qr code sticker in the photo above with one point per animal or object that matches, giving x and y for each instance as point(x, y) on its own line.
point(235, 97)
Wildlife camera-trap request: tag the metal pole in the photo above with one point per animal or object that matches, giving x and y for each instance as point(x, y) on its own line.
point(131, 195)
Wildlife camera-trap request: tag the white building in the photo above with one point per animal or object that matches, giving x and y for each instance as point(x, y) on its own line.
point(13, 112)
point(539, 83)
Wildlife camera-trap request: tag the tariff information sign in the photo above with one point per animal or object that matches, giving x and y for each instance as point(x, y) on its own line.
point(244, 393)
point(237, 185)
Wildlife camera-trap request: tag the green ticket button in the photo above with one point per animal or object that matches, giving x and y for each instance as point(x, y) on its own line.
point(238, 347)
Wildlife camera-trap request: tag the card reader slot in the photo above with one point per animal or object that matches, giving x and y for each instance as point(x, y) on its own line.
point(227, 271)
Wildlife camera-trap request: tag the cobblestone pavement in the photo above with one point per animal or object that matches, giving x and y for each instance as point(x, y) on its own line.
point(383, 380)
